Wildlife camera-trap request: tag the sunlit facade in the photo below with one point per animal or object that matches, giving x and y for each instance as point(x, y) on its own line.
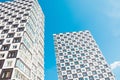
point(78, 57)
point(21, 40)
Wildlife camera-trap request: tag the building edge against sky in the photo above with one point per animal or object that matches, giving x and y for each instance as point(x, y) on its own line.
point(21, 40)
point(78, 57)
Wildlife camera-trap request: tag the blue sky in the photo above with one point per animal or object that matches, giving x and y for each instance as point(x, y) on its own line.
point(101, 17)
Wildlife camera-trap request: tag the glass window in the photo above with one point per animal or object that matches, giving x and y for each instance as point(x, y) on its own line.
point(12, 54)
point(17, 40)
point(10, 35)
point(5, 47)
point(1, 41)
point(5, 31)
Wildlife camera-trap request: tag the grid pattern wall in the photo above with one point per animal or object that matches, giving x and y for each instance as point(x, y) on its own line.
point(79, 58)
point(21, 40)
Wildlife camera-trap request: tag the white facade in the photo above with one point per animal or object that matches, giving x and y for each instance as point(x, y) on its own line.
point(21, 40)
point(79, 57)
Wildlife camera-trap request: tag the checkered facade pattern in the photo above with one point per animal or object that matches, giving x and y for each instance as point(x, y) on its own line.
point(79, 57)
point(21, 40)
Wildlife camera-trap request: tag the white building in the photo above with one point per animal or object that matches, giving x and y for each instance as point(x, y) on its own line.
point(21, 40)
point(79, 57)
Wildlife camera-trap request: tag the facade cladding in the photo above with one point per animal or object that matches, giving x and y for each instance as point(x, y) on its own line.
point(79, 57)
point(21, 40)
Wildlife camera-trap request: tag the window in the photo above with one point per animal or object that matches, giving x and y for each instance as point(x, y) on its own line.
point(5, 47)
point(14, 46)
point(9, 63)
point(23, 21)
point(64, 77)
point(107, 78)
point(94, 72)
point(74, 75)
point(10, 22)
point(26, 14)
point(12, 54)
point(17, 40)
point(91, 78)
point(78, 70)
point(63, 68)
point(69, 72)
point(20, 65)
point(72, 67)
point(1, 63)
point(84, 74)
point(110, 74)
point(20, 29)
point(1, 27)
point(5, 31)
point(18, 18)
point(14, 25)
point(8, 41)
point(10, 35)
point(100, 76)
point(6, 74)
point(1, 41)
point(2, 55)
point(80, 78)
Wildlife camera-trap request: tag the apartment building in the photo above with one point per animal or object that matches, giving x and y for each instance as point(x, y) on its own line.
point(78, 57)
point(21, 40)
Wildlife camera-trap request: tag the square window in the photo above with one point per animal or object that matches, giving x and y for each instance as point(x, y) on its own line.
point(6, 74)
point(1, 41)
point(17, 40)
point(12, 54)
point(10, 35)
point(5, 47)
point(1, 63)
point(5, 31)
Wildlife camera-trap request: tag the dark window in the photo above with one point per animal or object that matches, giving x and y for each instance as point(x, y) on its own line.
point(17, 11)
point(23, 21)
point(21, 12)
point(1, 63)
point(5, 47)
point(91, 78)
point(18, 18)
point(78, 70)
point(72, 67)
point(2, 55)
point(20, 29)
point(27, 9)
point(13, 16)
point(80, 78)
point(100, 76)
point(16, 40)
point(63, 68)
point(65, 77)
point(75, 76)
point(107, 78)
point(5, 31)
point(12, 54)
point(69, 72)
point(1, 27)
point(84, 74)
point(26, 14)
point(6, 74)
point(14, 25)
point(110, 74)
point(9, 23)
point(1, 41)
point(1, 18)
point(9, 14)
point(10, 35)
point(5, 20)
